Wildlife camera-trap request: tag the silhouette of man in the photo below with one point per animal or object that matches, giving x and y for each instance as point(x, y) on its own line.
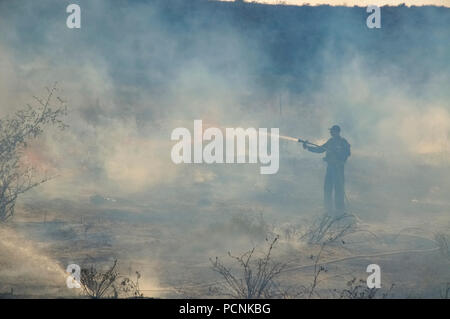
point(337, 151)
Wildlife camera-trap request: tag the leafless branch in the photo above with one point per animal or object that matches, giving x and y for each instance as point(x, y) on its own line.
point(258, 274)
point(16, 177)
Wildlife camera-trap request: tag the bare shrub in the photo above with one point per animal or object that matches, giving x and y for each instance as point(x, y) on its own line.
point(109, 284)
point(359, 290)
point(128, 288)
point(308, 291)
point(329, 229)
point(16, 177)
point(97, 284)
point(318, 268)
point(258, 274)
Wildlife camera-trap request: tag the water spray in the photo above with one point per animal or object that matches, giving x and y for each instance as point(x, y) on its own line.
point(290, 138)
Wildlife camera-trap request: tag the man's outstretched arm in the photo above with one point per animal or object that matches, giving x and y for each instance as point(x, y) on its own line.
point(315, 149)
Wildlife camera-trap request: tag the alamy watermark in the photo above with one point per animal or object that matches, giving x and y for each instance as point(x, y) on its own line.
point(73, 21)
point(374, 19)
point(74, 278)
point(238, 145)
point(374, 279)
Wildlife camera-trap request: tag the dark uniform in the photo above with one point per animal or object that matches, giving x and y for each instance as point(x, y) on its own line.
point(337, 151)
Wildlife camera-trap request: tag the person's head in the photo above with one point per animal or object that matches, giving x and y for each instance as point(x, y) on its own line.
point(335, 130)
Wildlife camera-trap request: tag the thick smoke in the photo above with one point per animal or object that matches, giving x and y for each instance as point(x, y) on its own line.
point(136, 70)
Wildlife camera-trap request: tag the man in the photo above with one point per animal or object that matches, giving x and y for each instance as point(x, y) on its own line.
point(337, 151)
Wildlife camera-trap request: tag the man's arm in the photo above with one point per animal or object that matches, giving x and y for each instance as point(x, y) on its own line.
point(315, 149)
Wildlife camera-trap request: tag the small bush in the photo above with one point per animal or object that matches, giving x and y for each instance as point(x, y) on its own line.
point(258, 274)
point(109, 284)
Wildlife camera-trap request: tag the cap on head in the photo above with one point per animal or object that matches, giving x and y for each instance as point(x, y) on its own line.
point(335, 128)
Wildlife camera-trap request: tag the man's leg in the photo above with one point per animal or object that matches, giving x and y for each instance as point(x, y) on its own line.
point(328, 188)
point(339, 192)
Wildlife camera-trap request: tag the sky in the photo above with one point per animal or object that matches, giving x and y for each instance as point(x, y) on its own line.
point(445, 3)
